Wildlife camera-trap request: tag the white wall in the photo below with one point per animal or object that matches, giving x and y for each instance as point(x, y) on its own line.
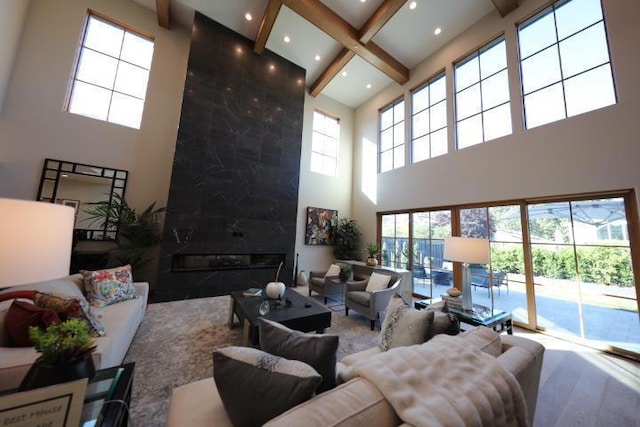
point(322, 191)
point(595, 151)
point(12, 17)
point(34, 126)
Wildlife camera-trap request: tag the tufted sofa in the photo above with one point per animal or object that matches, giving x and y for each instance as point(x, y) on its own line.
point(121, 321)
point(357, 402)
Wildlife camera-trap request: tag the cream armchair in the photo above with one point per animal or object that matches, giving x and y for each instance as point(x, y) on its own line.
point(370, 303)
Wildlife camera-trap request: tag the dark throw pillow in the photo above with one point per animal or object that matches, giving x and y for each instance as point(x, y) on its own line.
point(71, 308)
point(255, 386)
point(23, 314)
point(443, 323)
point(317, 350)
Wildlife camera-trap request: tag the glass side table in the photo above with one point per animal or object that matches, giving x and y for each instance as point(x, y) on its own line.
point(108, 396)
point(498, 320)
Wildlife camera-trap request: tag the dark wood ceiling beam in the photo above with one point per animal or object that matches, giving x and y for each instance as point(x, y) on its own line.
point(328, 21)
point(380, 17)
point(163, 10)
point(269, 18)
point(505, 6)
point(331, 71)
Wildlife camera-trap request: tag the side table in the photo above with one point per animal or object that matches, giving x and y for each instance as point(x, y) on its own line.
point(498, 320)
point(108, 397)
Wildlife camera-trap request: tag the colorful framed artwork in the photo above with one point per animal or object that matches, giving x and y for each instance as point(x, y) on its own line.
point(320, 226)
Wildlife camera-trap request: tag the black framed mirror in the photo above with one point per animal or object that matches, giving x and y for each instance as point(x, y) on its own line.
point(77, 184)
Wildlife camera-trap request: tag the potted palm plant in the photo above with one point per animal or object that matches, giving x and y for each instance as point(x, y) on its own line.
point(372, 250)
point(65, 354)
point(137, 231)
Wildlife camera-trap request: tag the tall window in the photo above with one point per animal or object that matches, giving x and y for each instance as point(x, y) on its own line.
point(483, 109)
point(392, 136)
point(429, 119)
point(324, 144)
point(395, 240)
point(111, 73)
point(565, 64)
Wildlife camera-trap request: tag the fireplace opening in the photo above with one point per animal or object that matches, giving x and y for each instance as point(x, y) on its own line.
point(212, 262)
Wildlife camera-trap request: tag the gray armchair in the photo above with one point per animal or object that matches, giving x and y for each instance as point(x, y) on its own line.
point(370, 304)
point(327, 286)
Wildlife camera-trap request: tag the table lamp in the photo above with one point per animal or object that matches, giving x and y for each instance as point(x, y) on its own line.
point(466, 250)
point(35, 241)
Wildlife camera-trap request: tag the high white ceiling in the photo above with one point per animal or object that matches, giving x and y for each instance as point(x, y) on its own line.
point(408, 36)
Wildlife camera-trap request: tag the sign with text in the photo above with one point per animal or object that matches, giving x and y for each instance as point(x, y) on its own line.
point(55, 406)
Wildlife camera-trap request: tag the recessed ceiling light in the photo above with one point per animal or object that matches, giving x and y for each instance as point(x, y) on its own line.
point(248, 16)
point(437, 31)
point(413, 5)
point(362, 1)
point(368, 86)
point(344, 74)
point(286, 39)
point(317, 58)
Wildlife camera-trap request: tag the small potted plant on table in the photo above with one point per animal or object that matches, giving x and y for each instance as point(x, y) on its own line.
point(373, 250)
point(65, 350)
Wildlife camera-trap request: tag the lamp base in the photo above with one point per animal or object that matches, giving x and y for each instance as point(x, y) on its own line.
point(467, 302)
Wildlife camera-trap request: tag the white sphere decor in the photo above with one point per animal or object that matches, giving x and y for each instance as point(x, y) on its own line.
point(275, 290)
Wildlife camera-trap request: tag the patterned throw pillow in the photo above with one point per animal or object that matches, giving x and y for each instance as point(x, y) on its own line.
point(71, 308)
point(403, 325)
point(255, 386)
point(106, 287)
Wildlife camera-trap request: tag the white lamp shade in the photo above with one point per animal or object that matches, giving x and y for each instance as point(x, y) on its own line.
point(35, 241)
point(466, 249)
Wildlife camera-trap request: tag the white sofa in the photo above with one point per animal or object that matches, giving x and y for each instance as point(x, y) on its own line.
point(121, 321)
point(355, 403)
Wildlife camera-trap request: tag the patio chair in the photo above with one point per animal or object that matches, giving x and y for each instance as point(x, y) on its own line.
point(485, 279)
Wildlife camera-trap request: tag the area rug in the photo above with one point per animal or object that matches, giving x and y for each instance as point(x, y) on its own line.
point(175, 341)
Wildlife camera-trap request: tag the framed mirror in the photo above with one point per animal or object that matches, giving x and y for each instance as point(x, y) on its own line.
point(76, 184)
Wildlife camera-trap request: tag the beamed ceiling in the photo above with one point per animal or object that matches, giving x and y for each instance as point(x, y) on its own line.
point(351, 49)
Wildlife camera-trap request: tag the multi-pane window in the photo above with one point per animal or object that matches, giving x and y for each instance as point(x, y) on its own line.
point(392, 136)
point(483, 109)
point(324, 143)
point(111, 73)
point(395, 240)
point(429, 119)
point(565, 64)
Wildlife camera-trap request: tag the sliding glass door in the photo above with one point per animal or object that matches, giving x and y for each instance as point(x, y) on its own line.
point(561, 265)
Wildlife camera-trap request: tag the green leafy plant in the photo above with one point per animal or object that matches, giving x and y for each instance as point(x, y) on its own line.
point(345, 272)
point(137, 231)
point(372, 249)
point(347, 240)
point(62, 343)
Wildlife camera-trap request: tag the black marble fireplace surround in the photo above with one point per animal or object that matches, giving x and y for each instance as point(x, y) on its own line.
point(234, 185)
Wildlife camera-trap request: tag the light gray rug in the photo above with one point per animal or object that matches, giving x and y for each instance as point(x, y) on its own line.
point(175, 341)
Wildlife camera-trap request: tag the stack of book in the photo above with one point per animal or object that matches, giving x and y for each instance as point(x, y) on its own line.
point(454, 303)
point(252, 292)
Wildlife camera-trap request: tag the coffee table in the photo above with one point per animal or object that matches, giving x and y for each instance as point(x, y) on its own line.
point(315, 317)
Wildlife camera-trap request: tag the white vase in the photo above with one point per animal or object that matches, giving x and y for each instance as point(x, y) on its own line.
point(275, 290)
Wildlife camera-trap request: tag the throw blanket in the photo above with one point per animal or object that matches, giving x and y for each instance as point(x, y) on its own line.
point(445, 382)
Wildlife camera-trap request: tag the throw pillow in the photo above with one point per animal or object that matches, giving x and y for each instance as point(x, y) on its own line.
point(106, 287)
point(316, 350)
point(443, 323)
point(23, 314)
point(403, 325)
point(377, 282)
point(255, 386)
point(17, 294)
point(72, 308)
point(485, 339)
point(334, 270)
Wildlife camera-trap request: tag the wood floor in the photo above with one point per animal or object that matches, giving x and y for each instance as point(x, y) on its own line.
point(580, 386)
